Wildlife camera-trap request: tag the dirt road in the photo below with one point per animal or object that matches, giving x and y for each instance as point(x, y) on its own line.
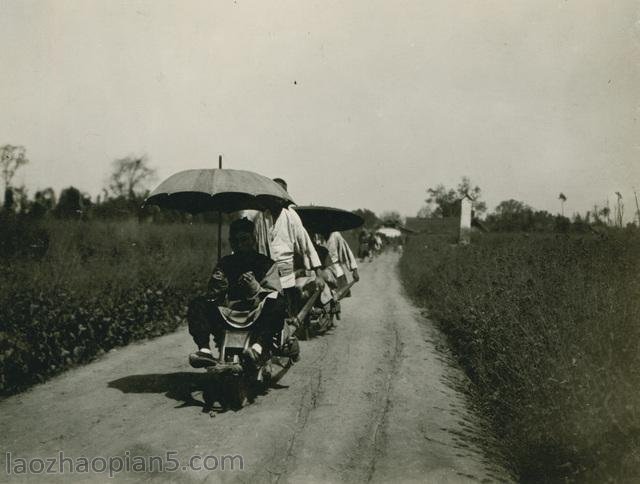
point(370, 402)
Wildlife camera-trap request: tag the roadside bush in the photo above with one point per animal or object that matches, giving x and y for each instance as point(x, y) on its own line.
point(97, 286)
point(548, 329)
point(19, 237)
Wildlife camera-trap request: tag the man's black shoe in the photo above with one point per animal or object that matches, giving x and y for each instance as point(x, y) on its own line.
point(201, 359)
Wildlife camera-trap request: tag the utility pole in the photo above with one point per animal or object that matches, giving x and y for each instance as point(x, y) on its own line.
point(619, 210)
point(219, 218)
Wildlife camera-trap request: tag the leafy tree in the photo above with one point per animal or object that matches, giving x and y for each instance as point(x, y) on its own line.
point(8, 199)
point(370, 218)
point(16, 200)
point(580, 223)
point(511, 207)
point(425, 212)
point(72, 204)
point(542, 221)
point(130, 176)
point(391, 219)
point(44, 201)
point(443, 201)
point(511, 215)
point(47, 197)
point(603, 215)
point(515, 216)
point(117, 208)
point(561, 223)
point(21, 199)
point(474, 193)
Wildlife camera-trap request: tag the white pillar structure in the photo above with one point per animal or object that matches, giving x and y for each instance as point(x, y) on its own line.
point(466, 204)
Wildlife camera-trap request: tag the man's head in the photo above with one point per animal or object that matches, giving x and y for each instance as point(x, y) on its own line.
point(281, 182)
point(321, 235)
point(241, 236)
point(275, 205)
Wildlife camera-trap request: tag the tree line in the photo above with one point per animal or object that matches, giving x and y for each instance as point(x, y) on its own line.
point(122, 196)
point(516, 216)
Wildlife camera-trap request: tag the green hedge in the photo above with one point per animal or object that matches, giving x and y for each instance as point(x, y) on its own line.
point(548, 329)
point(96, 286)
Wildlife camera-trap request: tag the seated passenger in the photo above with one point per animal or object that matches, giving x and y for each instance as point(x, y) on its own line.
point(281, 235)
point(341, 259)
point(307, 281)
point(244, 290)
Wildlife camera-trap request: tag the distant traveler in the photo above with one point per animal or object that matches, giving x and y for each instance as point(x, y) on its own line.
point(378, 243)
point(363, 249)
point(375, 244)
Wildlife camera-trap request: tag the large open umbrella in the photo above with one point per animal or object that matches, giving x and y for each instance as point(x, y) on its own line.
point(328, 219)
point(222, 190)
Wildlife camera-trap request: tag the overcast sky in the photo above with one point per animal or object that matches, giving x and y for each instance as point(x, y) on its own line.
point(356, 103)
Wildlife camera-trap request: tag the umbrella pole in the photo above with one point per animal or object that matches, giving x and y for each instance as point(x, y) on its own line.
point(219, 219)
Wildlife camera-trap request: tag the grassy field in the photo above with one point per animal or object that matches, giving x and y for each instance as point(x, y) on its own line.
point(70, 291)
point(548, 329)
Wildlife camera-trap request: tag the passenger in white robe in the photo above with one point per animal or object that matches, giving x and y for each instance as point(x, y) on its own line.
point(282, 237)
point(342, 259)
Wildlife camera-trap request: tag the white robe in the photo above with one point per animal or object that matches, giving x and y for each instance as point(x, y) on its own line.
point(283, 239)
point(340, 253)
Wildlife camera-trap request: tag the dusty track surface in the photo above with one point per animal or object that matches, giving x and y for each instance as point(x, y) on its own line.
point(369, 402)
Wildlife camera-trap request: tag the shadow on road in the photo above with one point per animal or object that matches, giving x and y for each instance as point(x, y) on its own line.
point(177, 386)
point(182, 386)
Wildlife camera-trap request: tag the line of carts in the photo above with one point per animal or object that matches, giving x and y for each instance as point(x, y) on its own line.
point(233, 380)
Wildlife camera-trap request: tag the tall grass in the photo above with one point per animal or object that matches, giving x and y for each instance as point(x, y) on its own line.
point(548, 329)
point(97, 285)
point(87, 257)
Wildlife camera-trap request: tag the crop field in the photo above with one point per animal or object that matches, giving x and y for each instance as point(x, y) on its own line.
point(70, 291)
point(548, 329)
point(545, 325)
